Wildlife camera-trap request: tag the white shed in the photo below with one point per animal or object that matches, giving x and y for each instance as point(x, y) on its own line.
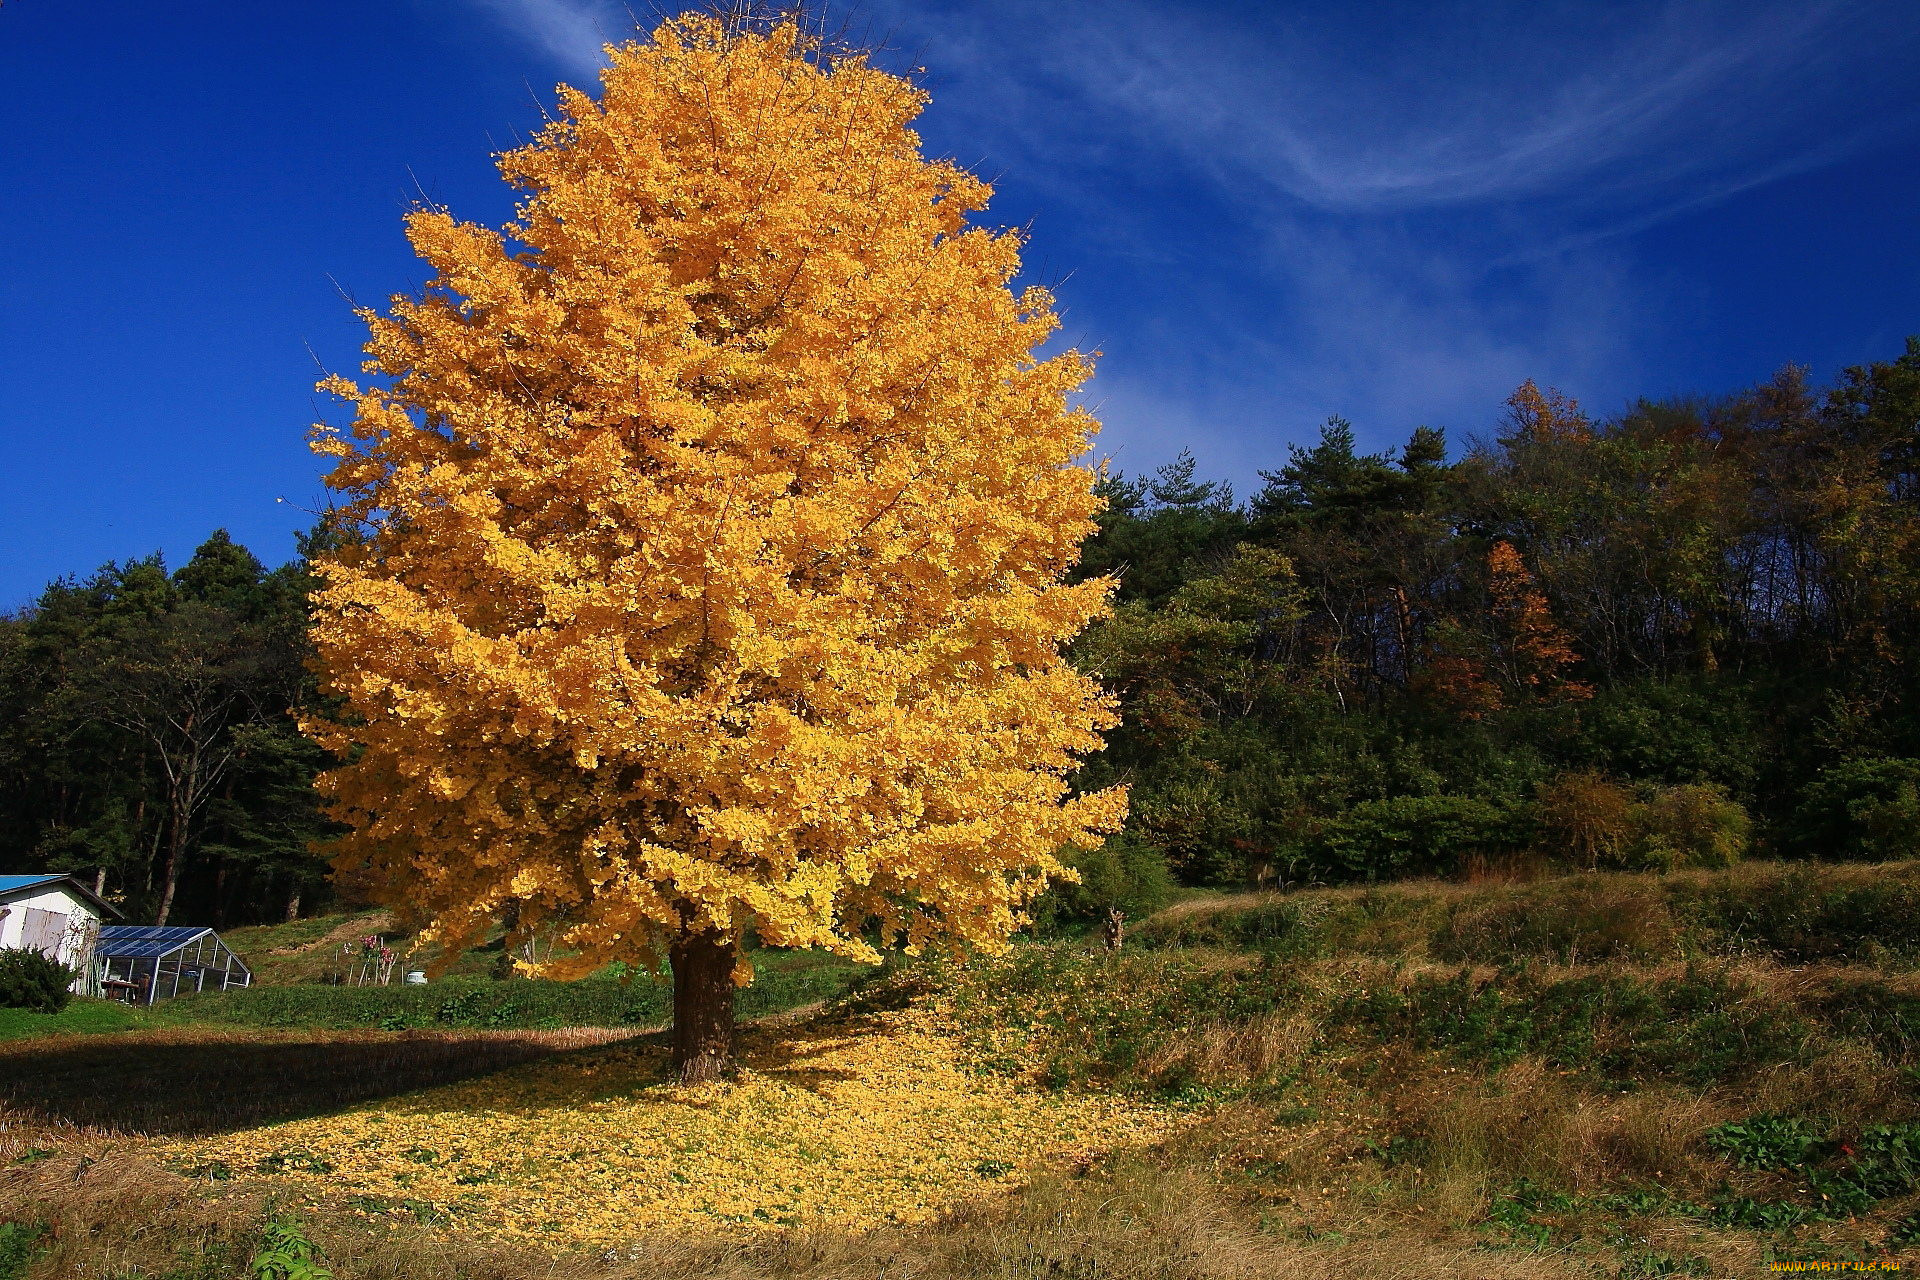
point(57, 916)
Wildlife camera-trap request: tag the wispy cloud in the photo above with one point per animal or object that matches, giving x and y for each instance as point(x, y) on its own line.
point(1412, 206)
point(573, 33)
point(1394, 107)
point(1395, 211)
point(1368, 323)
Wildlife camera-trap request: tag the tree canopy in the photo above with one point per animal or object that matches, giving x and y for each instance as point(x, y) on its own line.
point(151, 739)
point(710, 526)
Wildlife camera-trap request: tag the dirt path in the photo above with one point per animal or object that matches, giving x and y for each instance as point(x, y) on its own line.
point(358, 927)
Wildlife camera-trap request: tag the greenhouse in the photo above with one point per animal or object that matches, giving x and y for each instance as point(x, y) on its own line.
point(140, 964)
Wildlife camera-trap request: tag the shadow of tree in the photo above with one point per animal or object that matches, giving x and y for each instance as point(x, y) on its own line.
point(192, 1083)
point(787, 1049)
point(180, 1085)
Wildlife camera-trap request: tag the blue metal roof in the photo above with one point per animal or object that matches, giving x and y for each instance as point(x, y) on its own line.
point(141, 941)
point(9, 883)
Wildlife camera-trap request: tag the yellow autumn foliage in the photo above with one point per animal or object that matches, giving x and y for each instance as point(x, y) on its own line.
point(831, 1124)
point(705, 532)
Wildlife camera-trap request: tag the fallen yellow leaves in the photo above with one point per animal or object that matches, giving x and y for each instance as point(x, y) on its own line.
point(852, 1124)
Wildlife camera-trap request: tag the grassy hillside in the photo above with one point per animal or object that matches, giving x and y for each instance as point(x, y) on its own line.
point(311, 949)
point(1619, 1076)
point(296, 968)
point(290, 961)
point(783, 980)
point(1630, 1075)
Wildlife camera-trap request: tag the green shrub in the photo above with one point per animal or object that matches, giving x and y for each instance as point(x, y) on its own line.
point(1841, 1178)
point(31, 980)
point(1587, 817)
point(1775, 1143)
point(1867, 808)
point(286, 1254)
point(1124, 874)
point(1886, 1160)
point(1408, 835)
point(20, 1245)
point(1701, 729)
point(1691, 825)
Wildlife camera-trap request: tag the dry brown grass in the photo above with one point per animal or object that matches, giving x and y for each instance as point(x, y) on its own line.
point(1235, 1052)
point(1256, 1192)
point(1165, 1219)
point(1507, 910)
point(1529, 1121)
point(1509, 868)
point(1590, 917)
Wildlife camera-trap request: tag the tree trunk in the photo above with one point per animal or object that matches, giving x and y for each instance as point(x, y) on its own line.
point(509, 920)
point(220, 868)
point(153, 850)
point(179, 813)
point(293, 902)
point(702, 1006)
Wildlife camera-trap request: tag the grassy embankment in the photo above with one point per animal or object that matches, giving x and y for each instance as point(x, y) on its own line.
point(290, 960)
point(1598, 1076)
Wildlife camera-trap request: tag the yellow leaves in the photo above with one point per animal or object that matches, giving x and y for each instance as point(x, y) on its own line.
point(713, 523)
point(847, 1126)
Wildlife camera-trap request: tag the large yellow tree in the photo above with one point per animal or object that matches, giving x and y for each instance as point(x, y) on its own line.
point(708, 526)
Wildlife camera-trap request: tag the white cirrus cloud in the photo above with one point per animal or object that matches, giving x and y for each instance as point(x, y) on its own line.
point(573, 33)
point(1395, 211)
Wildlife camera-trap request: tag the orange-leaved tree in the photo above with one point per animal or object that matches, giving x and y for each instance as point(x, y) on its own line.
point(707, 535)
point(1533, 648)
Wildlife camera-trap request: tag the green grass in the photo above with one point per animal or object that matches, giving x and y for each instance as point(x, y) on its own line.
point(82, 1017)
point(20, 1245)
point(291, 933)
point(784, 980)
point(1130, 1020)
point(1701, 1029)
point(310, 949)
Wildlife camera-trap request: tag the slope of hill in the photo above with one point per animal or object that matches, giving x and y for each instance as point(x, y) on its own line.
point(1620, 1076)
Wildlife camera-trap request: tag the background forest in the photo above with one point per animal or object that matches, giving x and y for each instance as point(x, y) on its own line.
point(1669, 638)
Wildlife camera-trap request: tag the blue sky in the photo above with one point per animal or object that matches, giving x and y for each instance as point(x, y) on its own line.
point(1260, 214)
